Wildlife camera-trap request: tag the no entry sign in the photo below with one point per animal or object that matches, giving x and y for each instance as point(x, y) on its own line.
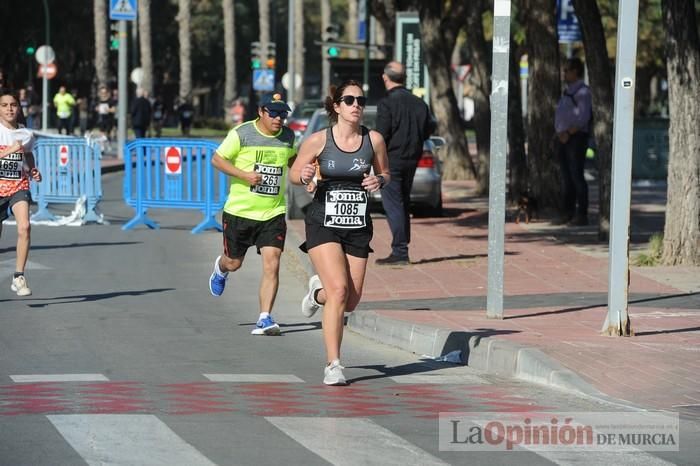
point(63, 156)
point(173, 161)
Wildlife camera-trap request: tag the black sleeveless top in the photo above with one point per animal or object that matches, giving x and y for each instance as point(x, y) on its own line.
point(340, 200)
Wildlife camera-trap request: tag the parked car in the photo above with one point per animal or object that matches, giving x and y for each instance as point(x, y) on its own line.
point(299, 119)
point(426, 194)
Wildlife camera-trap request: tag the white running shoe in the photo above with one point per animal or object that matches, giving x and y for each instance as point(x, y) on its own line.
point(19, 286)
point(309, 306)
point(333, 374)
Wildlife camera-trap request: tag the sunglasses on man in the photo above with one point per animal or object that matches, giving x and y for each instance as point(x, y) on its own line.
point(277, 113)
point(350, 99)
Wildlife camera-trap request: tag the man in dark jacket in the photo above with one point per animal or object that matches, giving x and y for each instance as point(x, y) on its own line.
point(405, 122)
point(141, 114)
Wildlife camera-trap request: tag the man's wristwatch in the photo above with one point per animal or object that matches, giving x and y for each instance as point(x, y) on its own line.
point(381, 181)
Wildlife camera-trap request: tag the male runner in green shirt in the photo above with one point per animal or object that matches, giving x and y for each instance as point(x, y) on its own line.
point(256, 155)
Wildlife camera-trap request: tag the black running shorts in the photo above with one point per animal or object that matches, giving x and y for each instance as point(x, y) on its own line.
point(355, 242)
point(241, 233)
point(9, 201)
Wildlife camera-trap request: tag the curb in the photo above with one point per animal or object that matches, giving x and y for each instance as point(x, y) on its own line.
point(480, 351)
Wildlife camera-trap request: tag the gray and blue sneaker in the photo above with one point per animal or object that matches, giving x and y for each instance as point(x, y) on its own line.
point(266, 326)
point(217, 282)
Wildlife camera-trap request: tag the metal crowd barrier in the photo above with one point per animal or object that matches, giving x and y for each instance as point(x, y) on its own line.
point(70, 168)
point(173, 174)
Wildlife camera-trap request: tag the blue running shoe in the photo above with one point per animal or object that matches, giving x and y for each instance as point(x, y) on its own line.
point(266, 326)
point(217, 282)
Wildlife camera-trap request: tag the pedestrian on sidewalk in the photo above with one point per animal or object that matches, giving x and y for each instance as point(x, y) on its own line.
point(105, 108)
point(338, 225)
point(572, 122)
point(64, 103)
point(405, 122)
point(16, 167)
point(141, 113)
point(256, 156)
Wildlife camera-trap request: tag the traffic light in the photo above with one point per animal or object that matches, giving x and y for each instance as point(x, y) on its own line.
point(255, 55)
point(114, 36)
point(331, 35)
point(30, 50)
point(271, 55)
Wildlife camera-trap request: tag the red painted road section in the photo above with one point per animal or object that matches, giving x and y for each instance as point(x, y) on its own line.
point(362, 399)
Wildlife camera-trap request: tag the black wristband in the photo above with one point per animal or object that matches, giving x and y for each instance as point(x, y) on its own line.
point(381, 181)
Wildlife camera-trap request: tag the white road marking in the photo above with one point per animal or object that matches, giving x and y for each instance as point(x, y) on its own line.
point(352, 441)
point(59, 378)
point(254, 378)
point(602, 458)
point(7, 267)
point(439, 379)
point(126, 439)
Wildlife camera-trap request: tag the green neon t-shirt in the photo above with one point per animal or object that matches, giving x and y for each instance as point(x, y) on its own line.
point(249, 149)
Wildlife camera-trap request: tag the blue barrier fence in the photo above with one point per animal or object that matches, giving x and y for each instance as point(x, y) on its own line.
point(70, 168)
point(173, 174)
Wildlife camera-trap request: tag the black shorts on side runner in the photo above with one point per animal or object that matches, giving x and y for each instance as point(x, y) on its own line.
point(241, 233)
point(8, 202)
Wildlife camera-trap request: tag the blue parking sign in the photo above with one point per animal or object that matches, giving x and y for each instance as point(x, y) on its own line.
point(263, 80)
point(568, 28)
point(122, 10)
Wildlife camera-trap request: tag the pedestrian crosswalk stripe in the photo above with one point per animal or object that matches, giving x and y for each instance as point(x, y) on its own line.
point(126, 439)
point(439, 379)
point(352, 441)
point(59, 378)
point(254, 378)
point(621, 458)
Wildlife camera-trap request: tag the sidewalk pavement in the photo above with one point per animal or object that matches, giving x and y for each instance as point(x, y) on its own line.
point(555, 292)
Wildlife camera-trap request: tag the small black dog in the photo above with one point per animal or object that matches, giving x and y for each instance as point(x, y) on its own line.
point(527, 206)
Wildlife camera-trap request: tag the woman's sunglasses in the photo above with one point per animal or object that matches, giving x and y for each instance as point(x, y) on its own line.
point(275, 113)
point(350, 99)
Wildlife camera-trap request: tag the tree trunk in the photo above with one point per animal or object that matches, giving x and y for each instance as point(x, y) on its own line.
point(229, 52)
point(144, 19)
point(682, 229)
point(438, 43)
point(184, 18)
point(481, 79)
point(601, 81)
point(351, 27)
point(544, 90)
point(299, 54)
point(101, 52)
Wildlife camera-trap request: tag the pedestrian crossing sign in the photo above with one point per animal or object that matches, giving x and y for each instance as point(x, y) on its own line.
point(122, 10)
point(264, 80)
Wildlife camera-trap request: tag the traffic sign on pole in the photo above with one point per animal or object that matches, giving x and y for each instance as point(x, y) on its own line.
point(263, 80)
point(122, 10)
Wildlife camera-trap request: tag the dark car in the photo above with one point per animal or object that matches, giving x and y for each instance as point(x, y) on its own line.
point(426, 194)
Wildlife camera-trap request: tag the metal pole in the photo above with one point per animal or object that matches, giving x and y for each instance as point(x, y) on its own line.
point(291, 71)
point(122, 100)
point(365, 74)
point(44, 81)
point(617, 321)
point(497, 174)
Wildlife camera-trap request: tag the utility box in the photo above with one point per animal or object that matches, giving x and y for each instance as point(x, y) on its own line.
point(650, 149)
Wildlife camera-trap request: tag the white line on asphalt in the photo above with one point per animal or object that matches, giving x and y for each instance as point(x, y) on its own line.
point(602, 458)
point(254, 378)
point(126, 439)
point(59, 378)
point(439, 379)
point(352, 441)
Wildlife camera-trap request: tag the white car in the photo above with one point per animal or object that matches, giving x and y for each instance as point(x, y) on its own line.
point(426, 194)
